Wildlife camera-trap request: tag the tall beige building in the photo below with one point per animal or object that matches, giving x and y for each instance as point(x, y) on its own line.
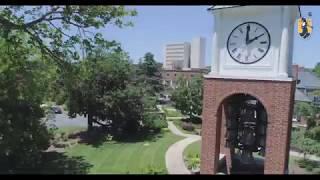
point(197, 55)
point(177, 56)
point(184, 55)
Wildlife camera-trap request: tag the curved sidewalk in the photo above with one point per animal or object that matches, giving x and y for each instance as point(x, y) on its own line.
point(174, 155)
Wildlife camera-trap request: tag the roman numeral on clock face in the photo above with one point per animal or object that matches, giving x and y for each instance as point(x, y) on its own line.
point(263, 42)
point(260, 50)
point(234, 50)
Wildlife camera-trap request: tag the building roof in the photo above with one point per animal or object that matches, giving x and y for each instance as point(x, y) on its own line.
point(193, 70)
point(308, 79)
point(212, 8)
point(299, 96)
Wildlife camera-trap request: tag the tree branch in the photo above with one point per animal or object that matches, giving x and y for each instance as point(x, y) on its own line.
point(59, 29)
point(44, 48)
point(42, 18)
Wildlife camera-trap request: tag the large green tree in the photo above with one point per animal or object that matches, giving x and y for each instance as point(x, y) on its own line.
point(148, 73)
point(188, 97)
point(23, 134)
point(59, 31)
point(29, 34)
point(307, 111)
point(105, 90)
point(316, 69)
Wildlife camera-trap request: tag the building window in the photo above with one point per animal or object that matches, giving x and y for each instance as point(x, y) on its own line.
point(167, 74)
point(175, 74)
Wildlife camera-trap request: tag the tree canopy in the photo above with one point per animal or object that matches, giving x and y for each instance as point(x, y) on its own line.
point(149, 74)
point(59, 31)
point(188, 97)
point(23, 134)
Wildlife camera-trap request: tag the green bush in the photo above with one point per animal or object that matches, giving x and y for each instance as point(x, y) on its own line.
point(187, 126)
point(306, 163)
point(309, 168)
point(193, 161)
point(314, 133)
point(155, 121)
point(23, 135)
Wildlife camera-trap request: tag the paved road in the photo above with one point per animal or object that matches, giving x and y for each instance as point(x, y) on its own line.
point(62, 120)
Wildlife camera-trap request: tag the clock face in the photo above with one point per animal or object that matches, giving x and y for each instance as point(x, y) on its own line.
point(248, 43)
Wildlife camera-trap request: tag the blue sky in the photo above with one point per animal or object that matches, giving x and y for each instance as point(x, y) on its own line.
point(157, 25)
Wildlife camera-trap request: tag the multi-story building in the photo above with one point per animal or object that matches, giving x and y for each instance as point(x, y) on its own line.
point(308, 82)
point(170, 77)
point(197, 53)
point(185, 55)
point(183, 59)
point(177, 55)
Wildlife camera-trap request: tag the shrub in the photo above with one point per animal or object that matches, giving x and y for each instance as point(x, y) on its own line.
point(155, 121)
point(314, 133)
point(193, 161)
point(309, 168)
point(308, 164)
point(64, 136)
point(23, 135)
point(187, 126)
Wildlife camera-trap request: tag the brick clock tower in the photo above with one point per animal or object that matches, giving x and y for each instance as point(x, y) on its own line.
point(249, 93)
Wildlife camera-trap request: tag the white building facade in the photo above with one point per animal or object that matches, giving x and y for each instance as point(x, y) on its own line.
point(197, 59)
point(177, 55)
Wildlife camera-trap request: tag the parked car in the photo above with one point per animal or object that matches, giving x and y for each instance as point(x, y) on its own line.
point(56, 110)
point(163, 99)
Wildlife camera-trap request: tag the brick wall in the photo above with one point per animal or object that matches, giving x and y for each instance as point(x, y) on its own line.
point(277, 98)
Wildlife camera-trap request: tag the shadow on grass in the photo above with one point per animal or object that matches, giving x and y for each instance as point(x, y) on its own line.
point(99, 135)
point(196, 121)
point(54, 163)
point(140, 137)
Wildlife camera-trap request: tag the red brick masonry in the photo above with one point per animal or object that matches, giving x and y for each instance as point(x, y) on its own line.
point(277, 98)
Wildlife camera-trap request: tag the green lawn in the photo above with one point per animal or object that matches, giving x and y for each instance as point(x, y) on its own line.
point(193, 148)
point(171, 112)
point(125, 157)
point(70, 129)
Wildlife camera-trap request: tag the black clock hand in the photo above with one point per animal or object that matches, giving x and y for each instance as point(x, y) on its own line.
point(247, 35)
point(255, 38)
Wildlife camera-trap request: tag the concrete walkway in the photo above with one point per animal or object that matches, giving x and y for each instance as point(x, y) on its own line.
point(174, 155)
point(308, 156)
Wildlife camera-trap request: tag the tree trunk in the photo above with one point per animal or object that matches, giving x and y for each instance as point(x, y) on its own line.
point(90, 122)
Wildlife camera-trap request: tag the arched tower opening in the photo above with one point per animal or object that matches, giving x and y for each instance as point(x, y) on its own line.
point(244, 124)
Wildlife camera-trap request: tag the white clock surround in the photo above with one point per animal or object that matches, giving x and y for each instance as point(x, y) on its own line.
point(276, 64)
